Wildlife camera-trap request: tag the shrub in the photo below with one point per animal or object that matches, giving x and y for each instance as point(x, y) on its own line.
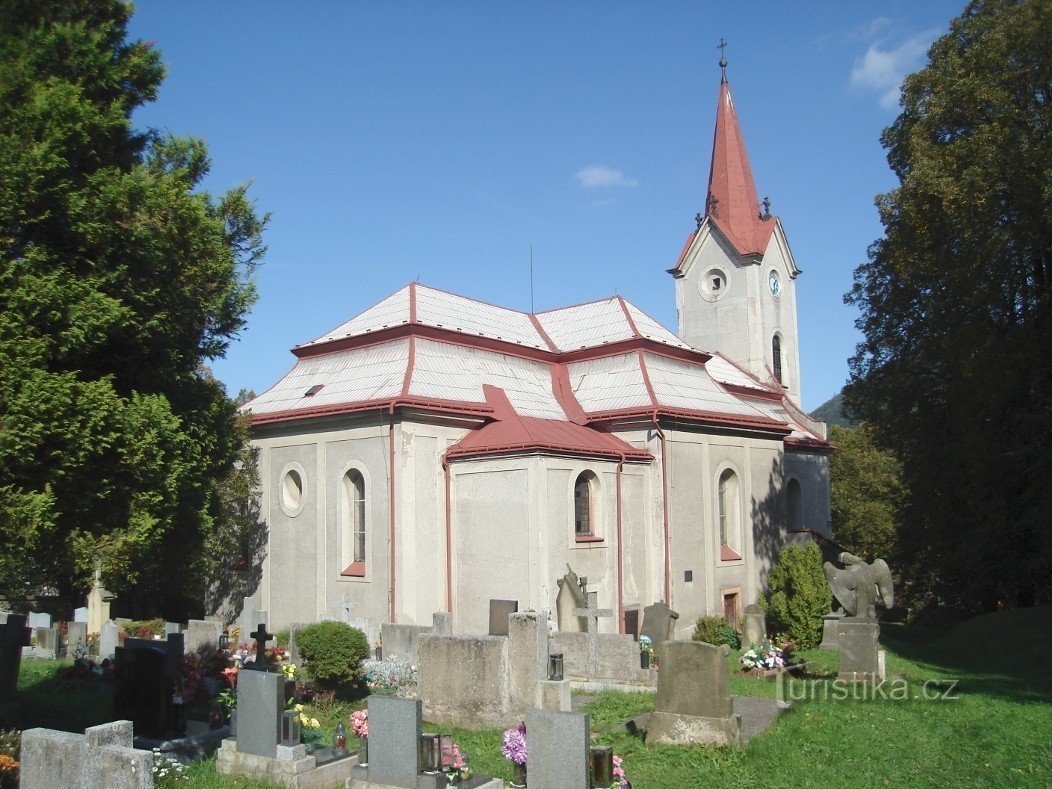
point(798, 594)
point(145, 628)
point(332, 651)
point(10, 753)
point(716, 630)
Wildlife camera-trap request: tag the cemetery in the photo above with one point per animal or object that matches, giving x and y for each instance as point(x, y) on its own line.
point(353, 578)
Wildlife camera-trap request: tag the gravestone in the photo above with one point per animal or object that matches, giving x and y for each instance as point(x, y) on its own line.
point(102, 756)
point(659, 623)
point(693, 702)
point(571, 595)
point(260, 702)
point(830, 622)
point(109, 640)
point(499, 611)
point(441, 623)
point(38, 620)
point(145, 680)
point(857, 641)
point(558, 746)
point(13, 636)
point(632, 623)
point(754, 626)
point(80, 615)
point(172, 627)
point(202, 634)
point(3, 617)
point(76, 636)
point(98, 604)
point(251, 618)
point(395, 726)
point(47, 642)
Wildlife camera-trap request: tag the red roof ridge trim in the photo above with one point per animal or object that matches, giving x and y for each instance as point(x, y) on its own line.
point(646, 378)
point(409, 366)
point(688, 414)
point(628, 317)
point(564, 395)
point(544, 335)
point(462, 407)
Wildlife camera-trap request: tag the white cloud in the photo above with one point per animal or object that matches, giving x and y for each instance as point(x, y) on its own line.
point(883, 69)
point(598, 176)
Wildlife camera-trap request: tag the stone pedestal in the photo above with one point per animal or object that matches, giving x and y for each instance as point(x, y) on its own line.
point(754, 626)
point(858, 639)
point(829, 631)
point(555, 695)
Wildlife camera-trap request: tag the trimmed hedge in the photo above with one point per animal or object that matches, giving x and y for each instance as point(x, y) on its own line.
point(332, 651)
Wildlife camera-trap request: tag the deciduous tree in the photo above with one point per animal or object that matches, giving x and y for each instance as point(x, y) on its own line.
point(956, 365)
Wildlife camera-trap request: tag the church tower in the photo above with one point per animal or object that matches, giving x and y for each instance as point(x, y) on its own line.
point(736, 278)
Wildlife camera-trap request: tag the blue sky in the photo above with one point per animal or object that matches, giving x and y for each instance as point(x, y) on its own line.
point(394, 141)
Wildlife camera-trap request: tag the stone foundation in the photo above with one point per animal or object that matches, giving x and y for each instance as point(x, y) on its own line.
point(670, 728)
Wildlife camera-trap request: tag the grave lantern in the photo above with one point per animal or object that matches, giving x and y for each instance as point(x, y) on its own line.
point(555, 666)
point(290, 727)
point(339, 739)
point(445, 751)
point(602, 759)
point(430, 753)
point(224, 641)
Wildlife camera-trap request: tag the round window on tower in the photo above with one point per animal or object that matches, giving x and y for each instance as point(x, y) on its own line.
point(713, 284)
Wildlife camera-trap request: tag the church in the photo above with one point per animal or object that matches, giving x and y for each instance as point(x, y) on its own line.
point(435, 452)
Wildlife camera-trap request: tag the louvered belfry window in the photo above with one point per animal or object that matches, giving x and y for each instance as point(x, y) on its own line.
point(776, 355)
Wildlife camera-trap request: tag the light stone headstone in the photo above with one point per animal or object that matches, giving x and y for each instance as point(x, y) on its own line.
point(260, 702)
point(499, 611)
point(558, 746)
point(109, 640)
point(754, 626)
point(395, 726)
point(172, 627)
point(570, 596)
point(693, 702)
point(830, 622)
point(202, 633)
point(76, 636)
point(80, 615)
point(47, 642)
point(659, 623)
point(857, 641)
point(3, 617)
point(442, 623)
point(102, 756)
point(38, 620)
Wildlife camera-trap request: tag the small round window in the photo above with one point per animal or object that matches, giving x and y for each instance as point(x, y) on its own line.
point(292, 492)
point(713, 284)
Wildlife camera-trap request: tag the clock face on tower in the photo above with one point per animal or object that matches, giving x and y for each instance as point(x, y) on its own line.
point(774, 283)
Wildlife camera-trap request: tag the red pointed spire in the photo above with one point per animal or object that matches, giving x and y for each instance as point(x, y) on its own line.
point(731, 202)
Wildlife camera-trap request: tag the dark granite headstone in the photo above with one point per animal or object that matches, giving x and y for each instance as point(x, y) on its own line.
point(499, 611)
point(13, 636)
point(260, 702)
point(632, 622)
point(145, 677)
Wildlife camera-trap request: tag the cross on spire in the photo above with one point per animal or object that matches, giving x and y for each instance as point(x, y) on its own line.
point(722, 47)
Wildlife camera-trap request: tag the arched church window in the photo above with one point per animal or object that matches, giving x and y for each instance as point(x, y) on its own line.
point(352, 522)
point(794, 507)
point(730, 518)
point(776, 357)
point(584, 504)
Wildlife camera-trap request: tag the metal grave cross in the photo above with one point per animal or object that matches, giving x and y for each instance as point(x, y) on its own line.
point(592, 613)
point(262, 637)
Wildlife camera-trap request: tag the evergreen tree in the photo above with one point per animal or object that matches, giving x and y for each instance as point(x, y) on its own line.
point(119, 280)
point(955, 367)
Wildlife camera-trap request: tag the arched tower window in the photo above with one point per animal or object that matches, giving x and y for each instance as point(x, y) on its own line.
point(776, 357)
point(584, 509)
point(352, 522)
point(794, 506)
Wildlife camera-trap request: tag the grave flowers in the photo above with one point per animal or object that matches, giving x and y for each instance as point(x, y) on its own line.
point(767, 657)
point(646, 652)
point(619, 772)
point(359, 720)
point(455, 764)
point(513, 748)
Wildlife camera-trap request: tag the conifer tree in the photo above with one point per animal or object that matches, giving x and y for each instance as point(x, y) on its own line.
point(119, 281)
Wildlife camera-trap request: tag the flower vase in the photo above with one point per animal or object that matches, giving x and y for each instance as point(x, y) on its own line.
point(644, 660)
point(233, 723)
point(363, 750)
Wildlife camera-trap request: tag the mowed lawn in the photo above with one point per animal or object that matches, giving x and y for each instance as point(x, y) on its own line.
point(996, 731)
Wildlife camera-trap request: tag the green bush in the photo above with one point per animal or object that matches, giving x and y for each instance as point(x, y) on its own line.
point(144, 628)
point(798, 594)
point(332, 651)
point(716, 630)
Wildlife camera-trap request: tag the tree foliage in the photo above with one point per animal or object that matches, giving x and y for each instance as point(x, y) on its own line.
point(119, 278)
point(955, 366)
point(866, 493)
point(798, 594)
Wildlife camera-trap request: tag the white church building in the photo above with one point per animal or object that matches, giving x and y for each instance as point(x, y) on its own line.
point(435, 452)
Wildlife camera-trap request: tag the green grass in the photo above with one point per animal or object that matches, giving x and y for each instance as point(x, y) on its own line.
point(995, 734)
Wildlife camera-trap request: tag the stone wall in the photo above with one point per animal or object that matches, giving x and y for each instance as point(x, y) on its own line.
point(614, 662)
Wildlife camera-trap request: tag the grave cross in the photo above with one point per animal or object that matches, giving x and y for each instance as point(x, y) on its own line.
point(592, 613)
point(262, 637)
